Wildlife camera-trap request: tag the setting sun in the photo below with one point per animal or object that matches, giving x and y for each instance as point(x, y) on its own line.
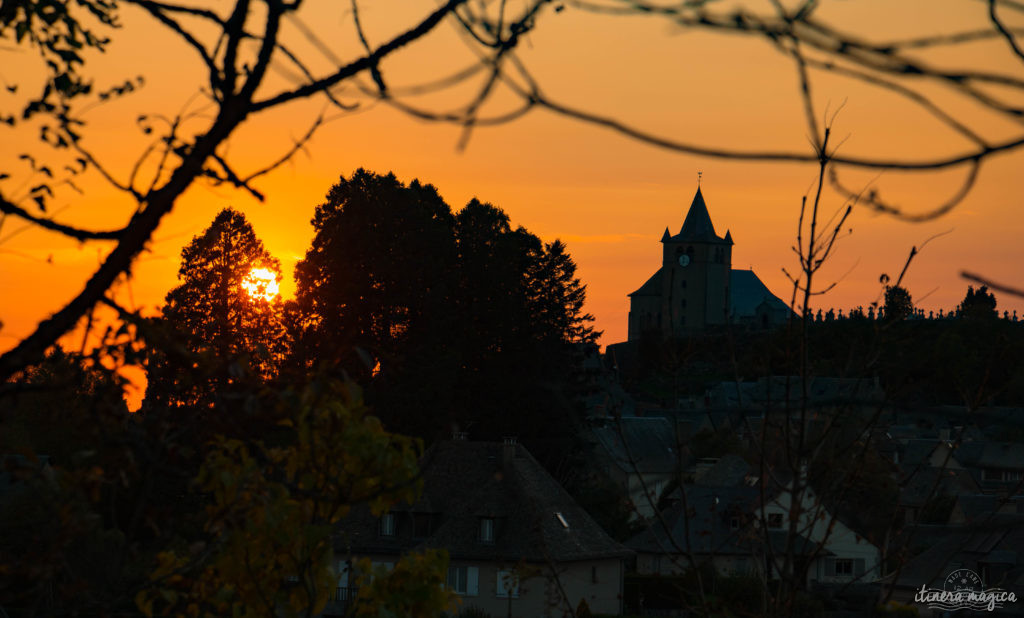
point(261, 283)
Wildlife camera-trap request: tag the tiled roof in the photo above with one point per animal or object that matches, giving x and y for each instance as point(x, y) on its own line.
point(747, 291)
point(703, 524)
point(986, 454)
point(697, 226)
point(465, 482)
point(924, 483)
point(644, 444)
point(652, 287)
point(952, 547)
point(729, 471)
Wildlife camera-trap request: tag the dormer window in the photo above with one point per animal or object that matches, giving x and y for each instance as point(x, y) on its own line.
point(487, 530)
point(387, 524)
point(422, 524)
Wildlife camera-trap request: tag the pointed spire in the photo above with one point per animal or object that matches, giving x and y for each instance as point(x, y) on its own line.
point(697, 225)
point(728, 237)
point(666, 236)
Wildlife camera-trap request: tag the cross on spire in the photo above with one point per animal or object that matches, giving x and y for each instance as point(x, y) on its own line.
point(699, 174)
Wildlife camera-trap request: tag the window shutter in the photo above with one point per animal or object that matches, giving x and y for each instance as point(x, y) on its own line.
point(830, 567)
point(858, 567)
point(473, 581)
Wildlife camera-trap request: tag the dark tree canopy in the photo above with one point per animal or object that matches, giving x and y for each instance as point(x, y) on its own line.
point(898, 303)
point(224, 332)
point(374, 272)
point(455, 313)
point(978, 304)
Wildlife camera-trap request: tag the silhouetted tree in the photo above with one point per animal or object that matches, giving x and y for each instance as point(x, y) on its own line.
point(226, 332)
point(378, 272)
point(978, 304)
point(898, 304)
point(236, 43)
point(462, 319)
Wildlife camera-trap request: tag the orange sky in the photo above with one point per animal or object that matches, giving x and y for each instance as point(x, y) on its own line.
point(607, 196)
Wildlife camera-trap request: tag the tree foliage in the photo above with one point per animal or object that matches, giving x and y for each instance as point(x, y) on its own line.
point(898, 304)
point(237, 42)
point(223, 331)
point(456, 313)
point(266, 547)
point(60, 35)
point(113, 512)
point(978, 304)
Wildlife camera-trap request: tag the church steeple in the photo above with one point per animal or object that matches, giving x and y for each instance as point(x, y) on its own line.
point(697, 225)
point(691, 290)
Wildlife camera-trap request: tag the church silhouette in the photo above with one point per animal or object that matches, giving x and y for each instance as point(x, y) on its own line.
point(697, 288)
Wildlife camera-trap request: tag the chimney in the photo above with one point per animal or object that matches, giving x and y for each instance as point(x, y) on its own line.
point(508, 453)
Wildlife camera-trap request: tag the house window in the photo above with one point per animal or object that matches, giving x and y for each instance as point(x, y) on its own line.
point(844, 567)
point(991, 474)
point(734, 523)
point(464, 580)
point(593, 574)
point(487, 530)
point(421, 524)
point(341, 591)
point(507, 585)
point(774, 520)
point(387, 524)
point(562, 520)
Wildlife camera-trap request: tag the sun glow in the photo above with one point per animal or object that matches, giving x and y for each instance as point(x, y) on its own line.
point(261, 283)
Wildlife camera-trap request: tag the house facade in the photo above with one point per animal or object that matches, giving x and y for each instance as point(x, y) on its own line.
point(729, 529)
point(518, 544)
point(641, 457)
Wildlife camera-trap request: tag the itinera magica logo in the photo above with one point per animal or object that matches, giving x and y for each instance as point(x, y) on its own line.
point(963, 589)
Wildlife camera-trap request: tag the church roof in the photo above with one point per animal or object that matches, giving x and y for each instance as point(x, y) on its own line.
point(697, 226)
point(747, 291)
point(652, 287)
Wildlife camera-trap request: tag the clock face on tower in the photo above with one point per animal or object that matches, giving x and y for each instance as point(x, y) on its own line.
point(684, 260)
